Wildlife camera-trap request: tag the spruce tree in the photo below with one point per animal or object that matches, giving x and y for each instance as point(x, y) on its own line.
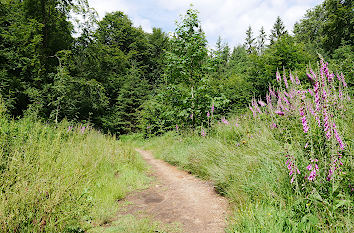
point(249, 43)
point(277, 31)
point(261, 41)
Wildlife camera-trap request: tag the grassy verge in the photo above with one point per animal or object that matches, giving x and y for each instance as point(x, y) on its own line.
point(55, 178)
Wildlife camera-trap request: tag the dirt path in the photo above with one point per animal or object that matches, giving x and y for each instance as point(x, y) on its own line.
point(178, 197)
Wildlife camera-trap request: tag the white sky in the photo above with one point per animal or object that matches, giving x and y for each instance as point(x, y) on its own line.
point(227, 18)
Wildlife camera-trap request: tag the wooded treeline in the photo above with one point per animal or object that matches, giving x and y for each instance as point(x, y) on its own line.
point(122, 79)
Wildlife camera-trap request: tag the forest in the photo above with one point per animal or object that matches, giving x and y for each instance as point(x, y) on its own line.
point(76, 98)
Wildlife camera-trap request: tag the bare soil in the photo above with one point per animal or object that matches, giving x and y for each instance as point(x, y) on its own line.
point(178, 197)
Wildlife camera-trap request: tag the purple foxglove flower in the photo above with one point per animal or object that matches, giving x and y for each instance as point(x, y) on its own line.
point(330, 77)
point(339, 140)
point(253, 112)
point(307, 144)
point(280, 113)
point(286, 100)
point(176, 127)
point(223, 120)
point(292, 78)
point(208, 114)
point(304, 124)
point(202, 132)
point(268, 98)
point(343, 80)
point(278, 77)
point(285, 81)
point(212, 108)
point(261, 103)
point(309, 167)
point(297, 80)
point(292, 179)
point(311, 92)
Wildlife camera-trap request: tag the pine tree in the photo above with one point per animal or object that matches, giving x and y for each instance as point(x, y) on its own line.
point(277, 31)
point(249, 43)
point(261, 41)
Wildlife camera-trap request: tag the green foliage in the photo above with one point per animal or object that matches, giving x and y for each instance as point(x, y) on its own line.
point(327, 26)
point(249, 41)
point(277, 31)
point(285, 54)
point(343, 61)
point(186, 58)
point(261, 42)
point(123, 116)
point(338, 27)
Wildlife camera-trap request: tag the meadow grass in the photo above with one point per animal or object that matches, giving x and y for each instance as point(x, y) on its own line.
point(58, 178)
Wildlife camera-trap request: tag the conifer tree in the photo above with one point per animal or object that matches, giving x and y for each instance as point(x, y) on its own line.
point(249, 43)
point(277, 31)
point(261, 41)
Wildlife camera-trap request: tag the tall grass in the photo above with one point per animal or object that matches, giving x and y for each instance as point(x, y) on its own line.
point(58, 178)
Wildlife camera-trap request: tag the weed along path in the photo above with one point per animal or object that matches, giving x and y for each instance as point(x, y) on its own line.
point(178, 197)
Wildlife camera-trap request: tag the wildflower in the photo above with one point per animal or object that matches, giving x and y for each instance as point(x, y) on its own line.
point(223, 120)
point(69, 128)
point(311, 92)
point(307, 144)
point(335, 164)
point(277, 75)
point(191, 116)
point(286, 100)
point(317, 96)
point(297, 80)
point(208, 114)
point(340, 94)
point(202, 132)
point(292, 78)
point(273, 126)
point(293, 170)
point(212, 108)
point(253, 112)
point(343, 80)
point(285, 81)
point(310, 77)
point(326, 124)
point(309, 167)
point(304, 121)
point(177, 128)
point(83, 129)
point(261, 103)
point(280, 113)
point(272, 93)
point(339, 140)
point(255, 106)
point(313, 169)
